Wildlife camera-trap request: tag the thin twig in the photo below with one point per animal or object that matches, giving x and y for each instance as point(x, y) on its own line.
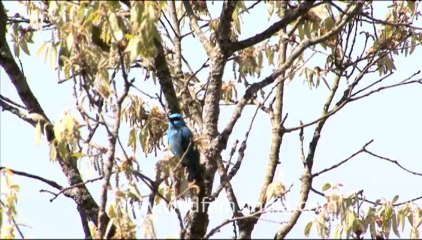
point(392, 161)
point(75, 185)
point(28, 175)
point(363, 149)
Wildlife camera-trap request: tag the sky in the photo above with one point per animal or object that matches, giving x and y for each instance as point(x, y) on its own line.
point(392, 118)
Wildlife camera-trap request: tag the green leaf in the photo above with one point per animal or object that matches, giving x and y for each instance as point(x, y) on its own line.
point(157, 198)
point(326, 187)
point(394, 225)
point(350, 220)
point(24, 46)
point(411, 5)
point(337, 232)
point(414, 234)
point(16, 50)
point(308, 229)
point(37, 133)
point(53, 152)
point(132, 139)
point(115, 27)
point(14, 187)
point(77, 155)
point(395, 199)
point(401, 218)
point(111, 211)
point(270, 55)
point(41, 49)
point(133, 48)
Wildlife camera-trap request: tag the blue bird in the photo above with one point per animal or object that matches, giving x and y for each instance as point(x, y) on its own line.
point(179, 141)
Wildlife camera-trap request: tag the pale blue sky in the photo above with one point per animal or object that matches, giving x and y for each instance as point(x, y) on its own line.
point(391, 118)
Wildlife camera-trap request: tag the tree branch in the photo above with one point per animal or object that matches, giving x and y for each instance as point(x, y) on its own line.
point(51, 183)
point(392, 161)
point(7, 107)
point(188, 102)
point(164, 77)
point(363, 149)
point(80, 195)
point(255, 87)
point(197, 29)
point(113, 135)
point(267, 33)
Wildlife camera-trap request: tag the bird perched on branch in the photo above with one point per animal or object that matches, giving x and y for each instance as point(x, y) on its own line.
point(182, 146)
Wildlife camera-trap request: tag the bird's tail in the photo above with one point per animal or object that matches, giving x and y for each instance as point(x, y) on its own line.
point(194, 172)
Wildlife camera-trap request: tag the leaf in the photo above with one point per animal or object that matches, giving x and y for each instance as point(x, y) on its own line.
point(77, 155)
point(24, 46)
point(414, 234)
point(148, 227)
point(111, 211)
point(411, 6)
point(92, 229)
point(37, 133)
point(395, 199)
point(109, 225)
point(132, 139)
point(350, 220)
point(53, 152)
point(115, 27)
point(372, 230)
point(134, 192)
point(41, 49)
point(308, 229)
point(394, 225)
point(337, 232)
point(14, 187)
point(133, 48)
point(270, 55)
point(70, 41)
point(401, 218)
point(326, 187)
point(275, 189)
point(53, 56)
point(158, 198)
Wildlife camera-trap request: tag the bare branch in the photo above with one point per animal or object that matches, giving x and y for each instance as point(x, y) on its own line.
point(250, 7)
point(225, 24)
point(8, 107)
point(385, 88)
point(197, 29)
point(287, 19)
point(63, 190)
point(28, 175)
point(162, 71)
point(226, 178)
point(389, 23)
point(363, 149)
point(392, 161)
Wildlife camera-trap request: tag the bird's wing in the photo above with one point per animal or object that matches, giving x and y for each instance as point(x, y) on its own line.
point(175, 143)
point(186, 137)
